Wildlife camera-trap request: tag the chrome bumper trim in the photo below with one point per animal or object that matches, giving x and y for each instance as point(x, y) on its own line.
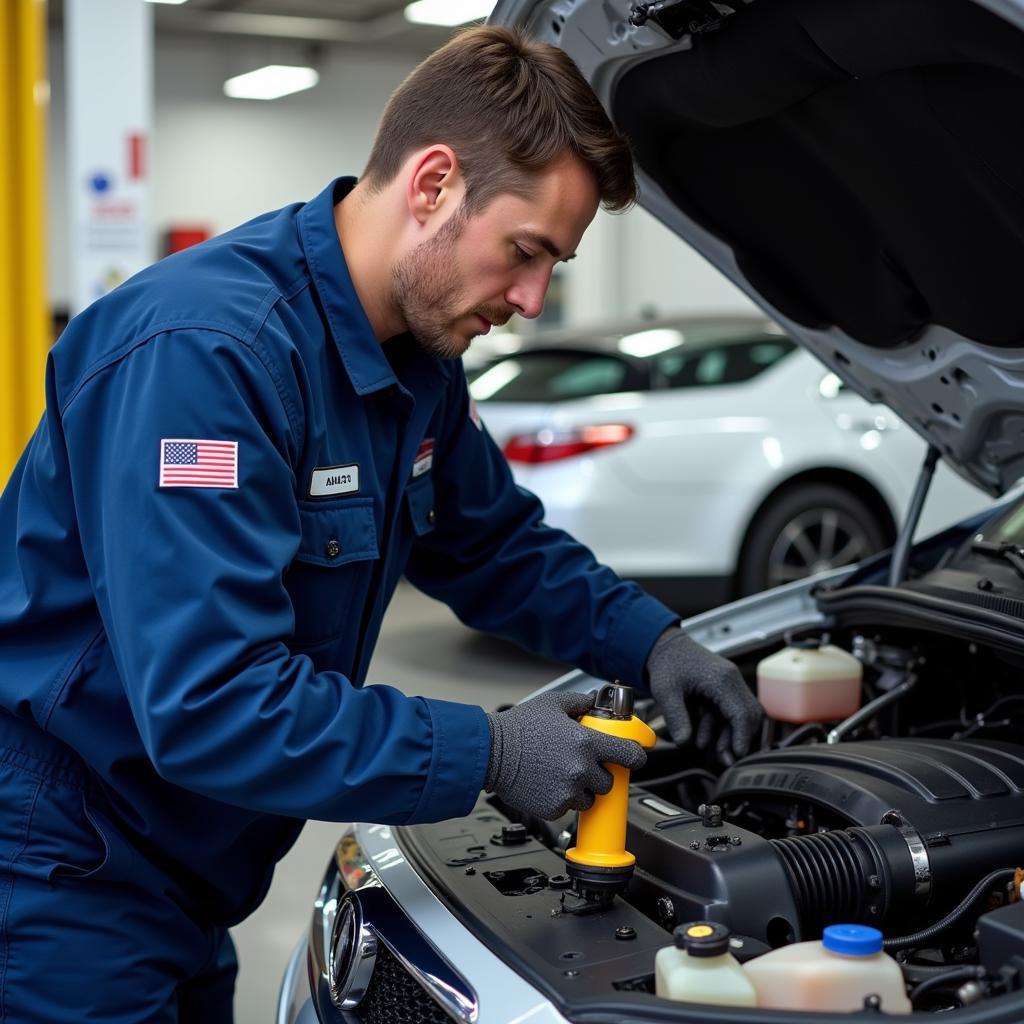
point(501, 995)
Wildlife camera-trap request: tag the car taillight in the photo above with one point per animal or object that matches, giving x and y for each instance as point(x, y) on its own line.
point(551, 445)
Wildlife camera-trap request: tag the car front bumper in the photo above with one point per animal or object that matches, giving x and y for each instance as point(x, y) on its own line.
point(393, 953)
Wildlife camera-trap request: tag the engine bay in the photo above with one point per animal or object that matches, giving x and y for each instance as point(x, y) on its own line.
point(908, 816)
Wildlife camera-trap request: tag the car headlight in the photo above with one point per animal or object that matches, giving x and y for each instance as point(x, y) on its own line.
point(353, 864)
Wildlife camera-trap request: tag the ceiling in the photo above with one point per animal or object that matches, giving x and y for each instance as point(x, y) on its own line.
point(379, 23)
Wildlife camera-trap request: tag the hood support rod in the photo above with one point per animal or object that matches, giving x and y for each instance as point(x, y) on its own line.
point(901, 549)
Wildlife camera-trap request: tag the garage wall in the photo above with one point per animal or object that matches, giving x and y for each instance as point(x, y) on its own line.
point(219, 162)
point(664, 274)
point(631, 266)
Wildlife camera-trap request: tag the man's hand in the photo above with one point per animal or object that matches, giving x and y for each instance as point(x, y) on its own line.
point(543, 762)
point(682, 672)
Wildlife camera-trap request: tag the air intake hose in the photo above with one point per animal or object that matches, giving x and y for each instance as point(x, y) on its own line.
point(855, 875)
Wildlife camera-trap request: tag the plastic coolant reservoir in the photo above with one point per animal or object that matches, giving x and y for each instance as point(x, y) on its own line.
point(837, 973)
point(699, 968)
point(809, 684)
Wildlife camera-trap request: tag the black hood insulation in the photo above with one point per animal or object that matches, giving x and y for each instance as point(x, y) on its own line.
point(865, 161)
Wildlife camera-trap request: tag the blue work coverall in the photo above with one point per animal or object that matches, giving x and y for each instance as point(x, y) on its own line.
point(181, 667)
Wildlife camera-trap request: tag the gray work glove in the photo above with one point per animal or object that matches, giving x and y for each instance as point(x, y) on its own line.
point(687, 679)
point(543, 762)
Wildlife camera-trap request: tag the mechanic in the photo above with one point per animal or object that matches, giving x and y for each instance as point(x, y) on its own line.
point(244, 447)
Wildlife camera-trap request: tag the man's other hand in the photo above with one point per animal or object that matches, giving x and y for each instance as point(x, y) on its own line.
point(543, 762)
point(686, 679)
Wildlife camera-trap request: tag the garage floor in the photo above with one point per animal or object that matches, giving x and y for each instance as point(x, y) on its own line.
point(425, 650)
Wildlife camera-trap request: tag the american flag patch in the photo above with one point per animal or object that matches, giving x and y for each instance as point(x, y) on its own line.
point(191, 462)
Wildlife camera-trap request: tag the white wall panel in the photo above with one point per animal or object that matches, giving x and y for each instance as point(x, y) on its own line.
point(108, 142)
point(221, 161)
point(664, 275)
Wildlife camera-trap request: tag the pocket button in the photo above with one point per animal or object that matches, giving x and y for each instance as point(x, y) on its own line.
point(332, 548)
point(431, 517)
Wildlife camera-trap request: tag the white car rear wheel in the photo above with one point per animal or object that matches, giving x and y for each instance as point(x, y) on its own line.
point(806, 530)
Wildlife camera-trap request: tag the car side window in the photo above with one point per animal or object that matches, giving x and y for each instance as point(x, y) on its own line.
point(598, 376)
point(732, 362)
point(710, 367)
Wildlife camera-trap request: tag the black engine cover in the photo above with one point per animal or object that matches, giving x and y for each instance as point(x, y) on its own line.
point(943, 788)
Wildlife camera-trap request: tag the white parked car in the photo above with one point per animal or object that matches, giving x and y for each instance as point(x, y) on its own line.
point(707, 457)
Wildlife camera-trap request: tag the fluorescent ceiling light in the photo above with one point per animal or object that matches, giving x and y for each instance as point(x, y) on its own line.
point(270, 82)
point(165, 1)
point(447, 12)
point(650, 343)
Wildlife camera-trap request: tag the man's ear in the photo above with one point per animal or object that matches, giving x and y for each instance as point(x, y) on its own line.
point(434, 183)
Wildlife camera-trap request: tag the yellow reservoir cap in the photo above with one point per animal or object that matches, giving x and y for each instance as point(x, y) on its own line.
point(699, 931)
point(601, 835)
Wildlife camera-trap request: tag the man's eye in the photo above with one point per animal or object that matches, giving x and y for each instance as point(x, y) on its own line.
point(521, 254)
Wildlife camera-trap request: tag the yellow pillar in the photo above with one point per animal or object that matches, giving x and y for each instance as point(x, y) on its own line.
point(24, 307)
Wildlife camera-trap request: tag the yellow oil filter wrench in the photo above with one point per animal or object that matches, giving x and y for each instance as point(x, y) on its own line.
point(599, 864)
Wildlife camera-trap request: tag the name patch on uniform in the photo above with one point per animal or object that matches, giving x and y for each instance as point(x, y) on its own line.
point(424, 457)
point(326, 483)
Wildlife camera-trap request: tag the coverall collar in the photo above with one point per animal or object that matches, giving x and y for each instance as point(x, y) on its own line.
point(364, 359)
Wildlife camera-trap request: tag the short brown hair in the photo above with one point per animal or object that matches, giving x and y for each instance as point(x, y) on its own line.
point(509, 107)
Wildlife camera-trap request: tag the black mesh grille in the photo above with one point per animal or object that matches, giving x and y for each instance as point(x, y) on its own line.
point(395, 997)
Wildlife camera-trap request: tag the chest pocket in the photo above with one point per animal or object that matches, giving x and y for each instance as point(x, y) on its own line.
point(330, 576)
point(419, 497)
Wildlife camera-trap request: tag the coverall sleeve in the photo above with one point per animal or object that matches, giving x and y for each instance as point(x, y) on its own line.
point(501, 569)
point(189, 584)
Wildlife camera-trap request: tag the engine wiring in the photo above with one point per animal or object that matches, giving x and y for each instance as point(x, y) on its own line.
point(955, 916)
point(955, 976)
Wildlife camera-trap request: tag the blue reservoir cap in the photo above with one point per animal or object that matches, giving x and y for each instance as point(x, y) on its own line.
point(852, 939)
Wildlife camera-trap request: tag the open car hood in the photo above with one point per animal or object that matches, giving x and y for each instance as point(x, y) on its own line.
point(857, 168)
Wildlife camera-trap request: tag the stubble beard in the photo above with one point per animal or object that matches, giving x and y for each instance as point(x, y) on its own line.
point(426, 286)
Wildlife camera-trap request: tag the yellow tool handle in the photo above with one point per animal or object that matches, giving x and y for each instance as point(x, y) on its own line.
point(601, 834)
